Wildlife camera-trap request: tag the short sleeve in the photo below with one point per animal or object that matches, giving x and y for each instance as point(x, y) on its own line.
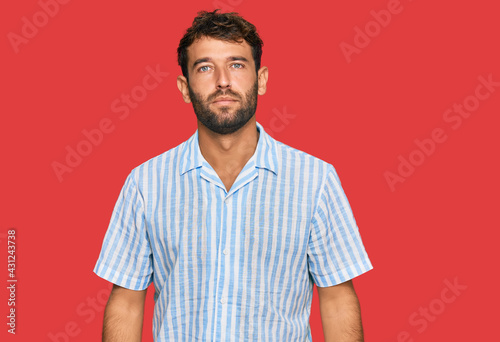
point(125, 258)
point(335, 250)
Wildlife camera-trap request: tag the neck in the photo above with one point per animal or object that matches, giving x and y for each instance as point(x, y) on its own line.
point(228, 153)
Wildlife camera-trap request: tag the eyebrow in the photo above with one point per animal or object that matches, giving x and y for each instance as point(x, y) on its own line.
point(208, 59)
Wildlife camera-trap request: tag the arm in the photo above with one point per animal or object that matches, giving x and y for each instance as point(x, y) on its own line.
point(340, 313)
point(124, 315)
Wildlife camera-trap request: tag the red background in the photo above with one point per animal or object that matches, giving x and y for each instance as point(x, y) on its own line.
point(438, 225)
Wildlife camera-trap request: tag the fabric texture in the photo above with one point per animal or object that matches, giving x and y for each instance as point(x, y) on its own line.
point(237, 265)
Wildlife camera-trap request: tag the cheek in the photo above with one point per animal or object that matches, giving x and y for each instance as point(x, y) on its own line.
point(244, 82)
point(203, 87)
point(200, 92)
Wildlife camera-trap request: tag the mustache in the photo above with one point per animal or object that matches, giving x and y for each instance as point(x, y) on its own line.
point(227, 92)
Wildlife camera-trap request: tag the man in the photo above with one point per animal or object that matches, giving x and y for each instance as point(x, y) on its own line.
point(231, 226)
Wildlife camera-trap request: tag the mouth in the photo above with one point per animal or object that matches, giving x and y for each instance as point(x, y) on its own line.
point(221, 101)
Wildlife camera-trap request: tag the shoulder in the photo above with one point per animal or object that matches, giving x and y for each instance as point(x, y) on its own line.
point(152, 168)
point(293, 159)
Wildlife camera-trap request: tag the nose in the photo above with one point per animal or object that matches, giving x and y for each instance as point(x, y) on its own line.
point(223, 80)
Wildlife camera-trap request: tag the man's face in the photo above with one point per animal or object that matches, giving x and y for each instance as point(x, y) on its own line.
point(223, 84)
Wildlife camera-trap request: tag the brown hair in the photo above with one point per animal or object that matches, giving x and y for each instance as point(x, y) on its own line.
point(223, 26)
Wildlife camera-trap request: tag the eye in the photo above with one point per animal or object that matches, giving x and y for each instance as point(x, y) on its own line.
point(238, 65)
point(204, 68)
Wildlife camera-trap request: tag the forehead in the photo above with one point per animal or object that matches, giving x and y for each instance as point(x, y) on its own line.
point(207, 47)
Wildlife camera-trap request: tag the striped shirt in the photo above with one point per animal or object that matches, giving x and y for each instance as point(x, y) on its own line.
point(237, 265)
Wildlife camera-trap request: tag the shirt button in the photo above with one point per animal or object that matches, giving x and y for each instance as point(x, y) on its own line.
point(223, 300)
point(225, 251)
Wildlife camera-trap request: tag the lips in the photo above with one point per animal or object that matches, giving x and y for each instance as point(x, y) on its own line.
point(224, 100)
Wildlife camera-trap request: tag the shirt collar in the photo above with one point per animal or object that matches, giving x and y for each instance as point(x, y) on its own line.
point(265, 155)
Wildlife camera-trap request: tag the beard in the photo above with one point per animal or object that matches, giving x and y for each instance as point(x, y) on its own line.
point(225, 122)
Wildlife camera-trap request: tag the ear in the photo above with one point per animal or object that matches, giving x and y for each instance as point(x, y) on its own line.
point(182, 85)
point(262, 75)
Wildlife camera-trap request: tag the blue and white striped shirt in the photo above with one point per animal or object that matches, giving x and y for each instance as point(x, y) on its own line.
point(237, 265)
